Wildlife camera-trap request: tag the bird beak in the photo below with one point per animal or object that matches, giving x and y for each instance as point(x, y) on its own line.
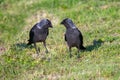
point(61, 22)
point(51, 26)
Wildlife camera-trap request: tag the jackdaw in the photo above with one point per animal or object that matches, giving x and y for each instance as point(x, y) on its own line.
point(39, 33)
point(73, 36)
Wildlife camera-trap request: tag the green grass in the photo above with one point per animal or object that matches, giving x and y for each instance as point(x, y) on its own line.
point(99, 22)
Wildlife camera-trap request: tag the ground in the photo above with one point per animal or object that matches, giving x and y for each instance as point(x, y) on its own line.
point(99, 22)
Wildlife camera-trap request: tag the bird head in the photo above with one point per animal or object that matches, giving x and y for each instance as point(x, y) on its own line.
point(45, 23)
point(49, 24)
point(64, 21)
point(68, 23)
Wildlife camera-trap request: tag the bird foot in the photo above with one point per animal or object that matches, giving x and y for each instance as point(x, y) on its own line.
point(37, 53)
point(39, 49)
point(70, 55)
point(78, 55)
point(46, 51)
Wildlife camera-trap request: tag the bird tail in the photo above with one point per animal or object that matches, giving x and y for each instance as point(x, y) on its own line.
point(29, 43)
point(82, 48)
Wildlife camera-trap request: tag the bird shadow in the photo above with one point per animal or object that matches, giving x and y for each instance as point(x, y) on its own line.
point(96, 44)
point(22, 46)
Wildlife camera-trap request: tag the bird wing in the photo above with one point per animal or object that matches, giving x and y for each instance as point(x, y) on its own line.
point(80, 37)
point(31, 35)
point(47, 32)
point(65, 38)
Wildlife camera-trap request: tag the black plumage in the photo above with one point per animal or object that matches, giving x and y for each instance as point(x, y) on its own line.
point(39, 33)
point(73, 36)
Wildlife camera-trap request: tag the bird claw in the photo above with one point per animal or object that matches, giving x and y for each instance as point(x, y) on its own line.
point(46, 51)
point(70, 55)
point(78, 56)
point(37, 54)
point(39, 49)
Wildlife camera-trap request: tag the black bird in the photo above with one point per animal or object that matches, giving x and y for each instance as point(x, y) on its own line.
point(73, 36)
point(39, 33)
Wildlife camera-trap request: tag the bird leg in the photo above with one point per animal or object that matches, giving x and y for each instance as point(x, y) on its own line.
point(37, 50)
point(70, 52)
point(44, 43)
point(78, 55)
